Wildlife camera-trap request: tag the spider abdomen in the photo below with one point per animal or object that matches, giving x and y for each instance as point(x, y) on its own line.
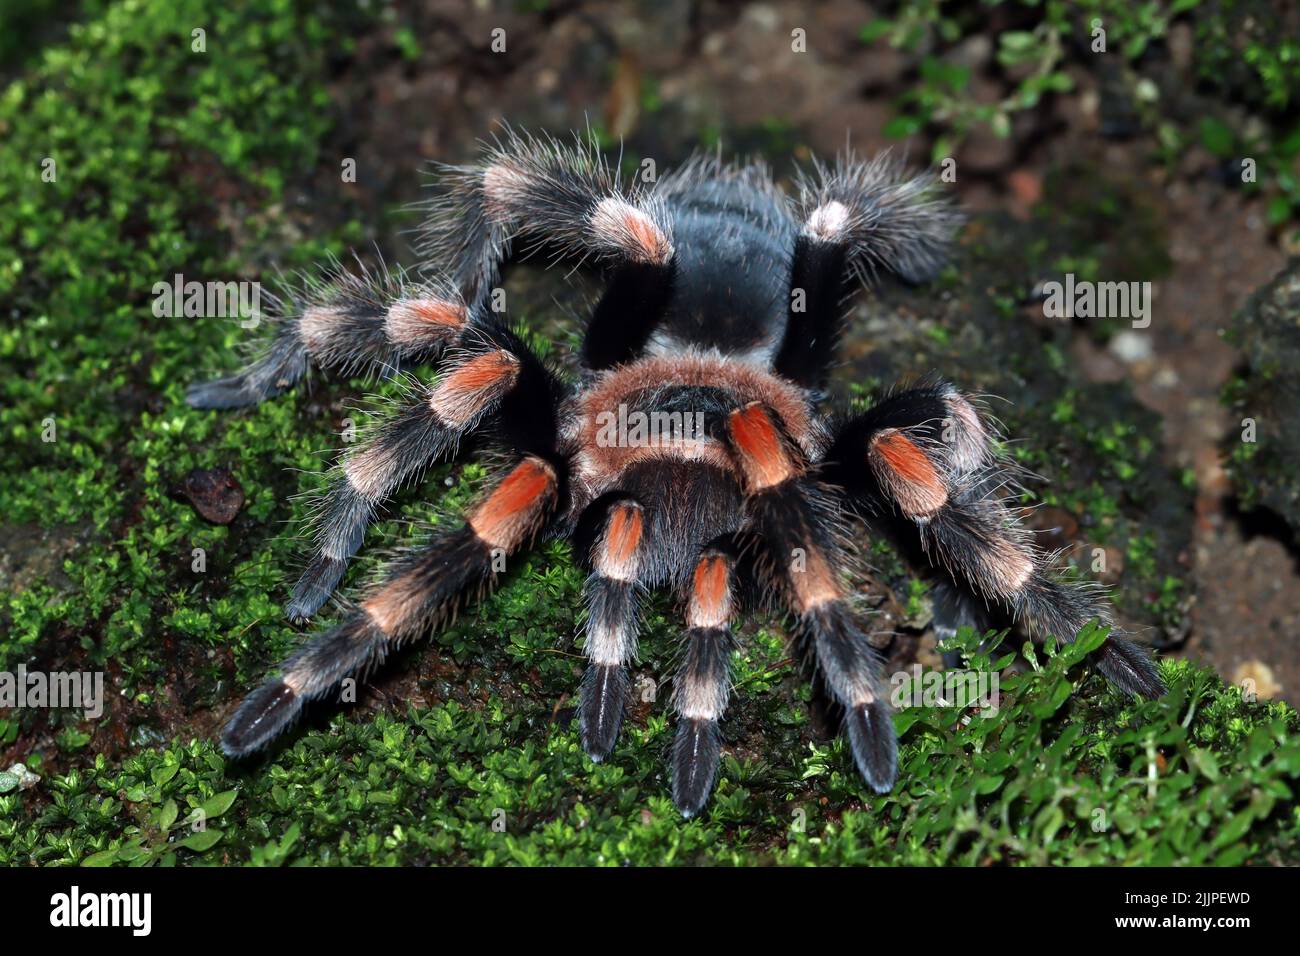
point(731, 290)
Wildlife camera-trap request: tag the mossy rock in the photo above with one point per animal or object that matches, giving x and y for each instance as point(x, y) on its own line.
point(1264, 456)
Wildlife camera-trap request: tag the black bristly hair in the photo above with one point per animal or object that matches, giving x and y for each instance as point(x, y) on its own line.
point(723, 305)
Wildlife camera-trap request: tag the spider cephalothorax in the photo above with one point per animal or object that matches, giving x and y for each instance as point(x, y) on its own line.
point(691, 439)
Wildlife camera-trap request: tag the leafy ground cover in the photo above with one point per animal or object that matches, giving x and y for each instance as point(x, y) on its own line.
point(172, 159)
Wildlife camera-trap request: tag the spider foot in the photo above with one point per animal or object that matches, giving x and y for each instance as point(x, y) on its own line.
point(1130, 668)
point(314, 588)
point(697, 751)
point(604, 696)
point(871, 735)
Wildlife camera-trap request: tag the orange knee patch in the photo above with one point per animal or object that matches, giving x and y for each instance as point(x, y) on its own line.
point(618, 553)
point(710, 604)
point(472, 386)
point(513, 511)
point(616, 222)
point(907, 473)
point(764, 459)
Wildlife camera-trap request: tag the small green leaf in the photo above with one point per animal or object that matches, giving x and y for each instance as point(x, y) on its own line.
point(132, 851)
point(873, 31)
point(218, 804)
point(290, 837)
point(1204, 761)
point(102, 858)
point(904, 719)
point(901, 127)
point(1234, 830)
point(167, 816)
point(1050, 704)
point(1021, 46)
point(1216, 136)
point(1092, 637)
point(203, 840)
point(1017, 41)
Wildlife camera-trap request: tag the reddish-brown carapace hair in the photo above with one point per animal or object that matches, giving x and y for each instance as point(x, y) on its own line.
point(685, 449)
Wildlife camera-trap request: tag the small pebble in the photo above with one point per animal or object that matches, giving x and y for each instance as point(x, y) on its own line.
point(1256, 677)
point(215, 494)
point(24, 778)
point(1130, 346)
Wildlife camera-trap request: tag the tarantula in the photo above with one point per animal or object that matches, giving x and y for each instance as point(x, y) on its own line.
point(724, 299)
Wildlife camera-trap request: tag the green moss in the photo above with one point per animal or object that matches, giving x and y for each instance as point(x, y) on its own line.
point(1248, 50)
point(1263, 444)
point(144, 132)
point(1066, 772)
point(169, 160)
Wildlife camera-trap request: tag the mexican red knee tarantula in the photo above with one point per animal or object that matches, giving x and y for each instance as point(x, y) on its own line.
point(724, 300)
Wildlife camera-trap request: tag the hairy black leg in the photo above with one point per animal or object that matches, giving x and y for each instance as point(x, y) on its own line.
point(702, 683)
point(492, 379)
point(857, 217)
point(925, 455)
point(936, 413)
point(419, 593)
point(539, 191)
point(880, 215)
point(612, 599)
point(796, 519)
point(634, 301)
point(346, 325)
point(819, 284)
